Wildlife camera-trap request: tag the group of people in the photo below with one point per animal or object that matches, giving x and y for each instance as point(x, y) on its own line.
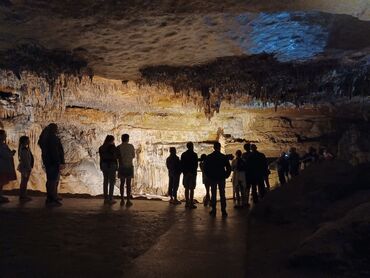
point(52, 154)
point(289, 164)
point(117, 159)
point(250, 172)
point(249, 168)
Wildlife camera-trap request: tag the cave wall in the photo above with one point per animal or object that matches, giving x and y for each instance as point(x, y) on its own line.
point(87, 109)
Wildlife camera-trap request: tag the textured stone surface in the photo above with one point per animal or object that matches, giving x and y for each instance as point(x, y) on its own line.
point(156, 118)
point(119, 37)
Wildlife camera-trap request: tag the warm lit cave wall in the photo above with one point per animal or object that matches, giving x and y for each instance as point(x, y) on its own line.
point(87, 109)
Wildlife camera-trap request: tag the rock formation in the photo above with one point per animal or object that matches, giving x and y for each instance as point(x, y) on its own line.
point(168, 72)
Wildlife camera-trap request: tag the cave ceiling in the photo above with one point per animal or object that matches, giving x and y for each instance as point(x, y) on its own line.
point(118, 39)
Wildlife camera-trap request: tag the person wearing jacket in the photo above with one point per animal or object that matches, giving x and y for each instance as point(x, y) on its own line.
point(217, 169)
point(26, 163)
point(52, 154)
point(7, 170)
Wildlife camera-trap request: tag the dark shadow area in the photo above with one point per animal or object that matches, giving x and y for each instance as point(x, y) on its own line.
point(315, 226)
point(81, 240)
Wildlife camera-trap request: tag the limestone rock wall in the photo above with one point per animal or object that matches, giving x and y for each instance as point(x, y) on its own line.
point(157, 118)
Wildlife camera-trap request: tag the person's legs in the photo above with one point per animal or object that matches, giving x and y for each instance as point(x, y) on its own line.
point(191, 199)
point(112, 182)
point(176, 182)
point(247, 192)
point(105, 185)
point(23, 186)
point(254, 193)
point(128, 188)
point(237, 194)
point(3, 199)
point(122, 189)
point(281, 175)
point(52, 175)
point(213, 198)
point(261, 188)
point(221, 188)
point(170, 184)
point(171, 181)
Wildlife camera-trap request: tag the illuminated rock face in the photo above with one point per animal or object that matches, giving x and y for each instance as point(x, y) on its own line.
point(156, 118)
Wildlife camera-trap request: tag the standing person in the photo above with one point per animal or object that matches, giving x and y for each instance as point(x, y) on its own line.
point(294, 162)
point(52, 154)
point(189, 167)
point(205, 180)
point(238, 179)
point(109, 166)
point(257, 165)
point(282, 167)
point(174, 171)
point(245, 155)
point(126, 154)
point(26, 163)
point(217, 169)
point(7, 170)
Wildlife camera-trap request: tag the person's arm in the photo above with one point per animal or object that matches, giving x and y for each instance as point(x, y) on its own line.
point(228, 168)
point(133, 151)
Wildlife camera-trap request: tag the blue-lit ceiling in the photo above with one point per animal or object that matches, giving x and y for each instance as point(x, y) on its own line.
point(287, 35)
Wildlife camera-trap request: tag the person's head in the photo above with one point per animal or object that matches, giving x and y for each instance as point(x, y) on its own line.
point(52, 129)
point(203, 157)
point(292, 150)
point(247, 147)
point(125, 138)
point(253, 148)
point(238, 154)
point(283, 154)
point(2, 136)
point(109, 140)
point(24, 141)
point(217, 147)
point(190, 146)
point(172, 150)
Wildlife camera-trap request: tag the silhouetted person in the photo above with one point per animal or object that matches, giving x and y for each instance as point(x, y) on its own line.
point(294, 162)
point(217, 169)
point(189, 166)
point(238, 179)
point(7, 170)
point(52, 154)
point(327, 155)
point(174, 171)
point(126, 154)
point(205, 181)
point(257, 165)
point(26, 163)
point(109, 167)
point(310, 157)
point(282, 167)
point(245, 155)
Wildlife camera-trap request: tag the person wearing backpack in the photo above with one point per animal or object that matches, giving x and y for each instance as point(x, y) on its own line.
point(239, 180)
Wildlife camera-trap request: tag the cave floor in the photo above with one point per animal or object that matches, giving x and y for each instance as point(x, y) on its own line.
point(84, 238)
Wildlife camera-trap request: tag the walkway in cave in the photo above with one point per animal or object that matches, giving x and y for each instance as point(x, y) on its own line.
point(150, 239)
